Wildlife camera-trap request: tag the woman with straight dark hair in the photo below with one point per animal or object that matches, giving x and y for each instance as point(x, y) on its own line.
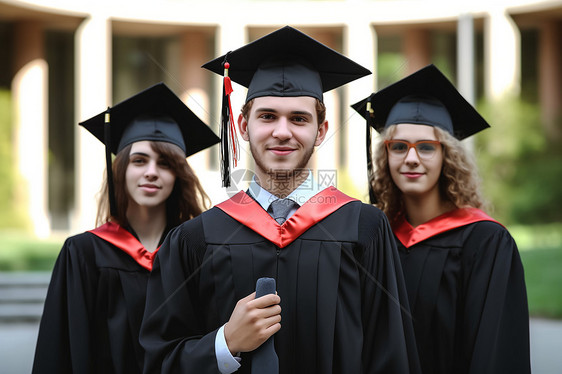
point(463, 273)
point(96, 297)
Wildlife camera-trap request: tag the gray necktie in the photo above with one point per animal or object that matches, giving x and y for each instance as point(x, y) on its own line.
point(280, 208)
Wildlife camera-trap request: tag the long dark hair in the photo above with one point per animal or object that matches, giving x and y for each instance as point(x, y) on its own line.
point(187, 200)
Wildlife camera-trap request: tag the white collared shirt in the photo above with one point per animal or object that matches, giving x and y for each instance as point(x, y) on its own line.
point(304, 192)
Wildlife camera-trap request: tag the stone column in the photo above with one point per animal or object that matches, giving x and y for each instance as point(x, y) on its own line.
point(465, 57)
point(416, 48)
point(361, 43)
point(502, 50)
point(550, 77)
point(93, 95)
point(465, 62)
point(29, 89)
point(195, 82)
point(324, 162)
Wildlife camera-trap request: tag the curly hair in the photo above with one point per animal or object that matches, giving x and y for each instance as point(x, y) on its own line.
point(187, 199)
point(459, 182)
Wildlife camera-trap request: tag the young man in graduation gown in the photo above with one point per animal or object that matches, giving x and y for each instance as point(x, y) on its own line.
point(341, 305)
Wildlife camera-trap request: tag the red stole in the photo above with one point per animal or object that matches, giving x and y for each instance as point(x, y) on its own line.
point(124, 240)
point(409, 235)
point(248, 212)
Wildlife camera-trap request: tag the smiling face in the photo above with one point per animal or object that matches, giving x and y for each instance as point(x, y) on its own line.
point(149, 179)
point(282, 132)
point(415, 177)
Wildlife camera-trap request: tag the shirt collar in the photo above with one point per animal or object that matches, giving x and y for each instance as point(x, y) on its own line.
point(300, 195)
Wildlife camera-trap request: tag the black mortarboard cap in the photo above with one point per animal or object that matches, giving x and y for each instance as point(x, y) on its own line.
point(285, 63)
point(155, 114)
point(425, 97)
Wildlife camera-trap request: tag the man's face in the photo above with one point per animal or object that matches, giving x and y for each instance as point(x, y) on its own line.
point(282, 132)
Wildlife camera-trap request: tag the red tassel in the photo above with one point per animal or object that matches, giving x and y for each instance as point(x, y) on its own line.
point(229, 137)
point(233, 135)
point(370, 168)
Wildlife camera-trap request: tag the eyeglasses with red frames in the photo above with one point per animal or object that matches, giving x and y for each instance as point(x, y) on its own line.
point(425, 149)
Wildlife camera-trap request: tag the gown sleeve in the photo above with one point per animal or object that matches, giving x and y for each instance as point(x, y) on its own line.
point(172, 329)
point(389, 345)
point(63, 343)
point(496, 315)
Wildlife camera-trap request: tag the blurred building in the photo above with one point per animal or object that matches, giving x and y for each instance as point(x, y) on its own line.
point(64, 61)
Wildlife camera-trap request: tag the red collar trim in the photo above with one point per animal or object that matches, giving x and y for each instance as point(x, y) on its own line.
point(409, 235)
point(125, 241)
point(248, 212)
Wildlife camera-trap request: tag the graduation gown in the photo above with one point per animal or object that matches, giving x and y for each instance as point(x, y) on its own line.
point(467, 294)
point(337, 271)
point(94, 305)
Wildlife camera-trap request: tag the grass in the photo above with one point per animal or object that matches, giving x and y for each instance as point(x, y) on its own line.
point(540, 248)
point(544, 280)
point(541, 253)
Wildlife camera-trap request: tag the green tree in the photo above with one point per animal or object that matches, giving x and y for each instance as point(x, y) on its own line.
point(520, 166)
point(9, 216)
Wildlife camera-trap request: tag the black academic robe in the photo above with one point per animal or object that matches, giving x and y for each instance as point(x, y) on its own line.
point(467, 294)
point(94, 305)
point(337, 272)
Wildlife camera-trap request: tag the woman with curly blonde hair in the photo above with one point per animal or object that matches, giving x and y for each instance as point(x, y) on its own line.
point(463, 272)
point(459, 182)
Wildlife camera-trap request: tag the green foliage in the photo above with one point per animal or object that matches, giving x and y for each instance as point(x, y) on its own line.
point(21, 252)
point(540, 247)
point(520, 167)
point(9, 216)
point(543, 278)
point(6, 151)
point(544, 236)
point(391, 67)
